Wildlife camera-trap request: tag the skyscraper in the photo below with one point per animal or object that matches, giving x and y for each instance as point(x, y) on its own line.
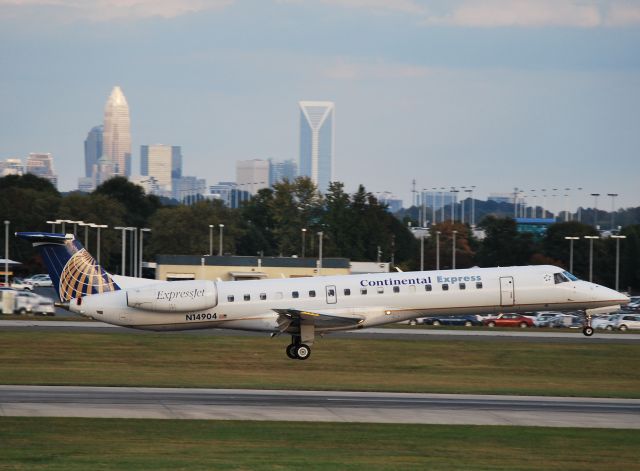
point(117, 133)
point(42, 166)
point(92, 150)
point(279, 171)
point(156, 161)
point(316, 141)
point(252, 175)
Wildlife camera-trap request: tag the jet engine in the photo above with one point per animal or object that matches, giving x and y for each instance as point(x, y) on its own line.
point(174, 296)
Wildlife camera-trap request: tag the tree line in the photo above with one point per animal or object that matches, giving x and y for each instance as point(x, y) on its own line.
point(353, 225)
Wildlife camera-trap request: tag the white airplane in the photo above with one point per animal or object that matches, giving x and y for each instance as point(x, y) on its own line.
point(304, 307)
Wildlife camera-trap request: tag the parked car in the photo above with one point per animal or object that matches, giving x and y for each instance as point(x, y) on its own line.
point(601, 322)
point(624, 322)
point(467, 321)
point(39, 280)
point(509, 320)
point(567, 321)
point(30, 302)
point(20, 284)
point(544, 318)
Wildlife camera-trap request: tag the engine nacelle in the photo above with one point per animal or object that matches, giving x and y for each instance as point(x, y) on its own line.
point(172, 296)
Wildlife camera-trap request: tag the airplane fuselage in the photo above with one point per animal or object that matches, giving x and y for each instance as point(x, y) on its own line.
point(370, 299)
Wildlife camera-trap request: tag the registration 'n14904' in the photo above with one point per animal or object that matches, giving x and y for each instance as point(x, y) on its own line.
point(206, 316)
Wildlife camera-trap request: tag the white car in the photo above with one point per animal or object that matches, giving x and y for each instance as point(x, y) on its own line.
point(30, 302)
point(601, 322)
point(20, 284)
point(39, 280)
point(626, 321)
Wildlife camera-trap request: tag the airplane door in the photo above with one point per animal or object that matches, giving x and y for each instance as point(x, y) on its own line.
point(332, 296)
point(507, 296)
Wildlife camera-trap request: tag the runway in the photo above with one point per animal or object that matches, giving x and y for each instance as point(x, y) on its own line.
point(317, 406)
point(412, 333)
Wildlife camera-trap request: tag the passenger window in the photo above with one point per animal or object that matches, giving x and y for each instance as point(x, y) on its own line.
point(412, 288)
point(428, 287)
point(247, 297)
point(445, 287)
point(331, 292)
point(479, 285)
point(230, 298)
point(263, 296)
point(295, 294)
point(380, 290)
point(396, 289)
point(363, 290)
point(347, 292)
point(278, 295)
point(312, 294)
point(462, 286)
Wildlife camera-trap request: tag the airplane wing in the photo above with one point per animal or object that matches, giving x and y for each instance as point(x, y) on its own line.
point(321, 320)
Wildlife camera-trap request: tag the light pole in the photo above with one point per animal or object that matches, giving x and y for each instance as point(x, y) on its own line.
point(571, 239)
point(566, 205)
point(124, 248)
point(6, 253)
point(453, 204)
point(437, 250)
point(422, 251)
point(613, 208)
point(142, 231)
point(99, 226)
point(544, 203)
point(210, 239)
point(134, 270)
point(579, 210)
point(221, 226)
point(591, 238)
point(617, 238)
point(453, 250)
point(595, 208)
point(470, 197)
point(320, 234)
point(304, 234)
point(86, 226)
point(442, 203)
point(53, 225)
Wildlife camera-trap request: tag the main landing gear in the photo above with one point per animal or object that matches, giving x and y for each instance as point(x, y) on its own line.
point(297, 350)
point(587, 329)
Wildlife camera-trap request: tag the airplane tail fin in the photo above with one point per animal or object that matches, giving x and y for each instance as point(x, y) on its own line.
point(73, 271)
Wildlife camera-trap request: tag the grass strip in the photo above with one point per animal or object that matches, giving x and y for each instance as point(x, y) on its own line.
point(444, 366)
point(98, 444)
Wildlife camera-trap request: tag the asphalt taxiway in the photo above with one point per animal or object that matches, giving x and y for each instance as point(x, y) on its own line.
point(411, 333)
point(317, 406)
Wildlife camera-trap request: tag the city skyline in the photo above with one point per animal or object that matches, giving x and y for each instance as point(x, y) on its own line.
point(116, 134)
point(529, 94)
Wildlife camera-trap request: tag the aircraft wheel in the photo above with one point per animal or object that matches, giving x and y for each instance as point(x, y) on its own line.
point(291, 351)
point(303, 351)
point(588, 331)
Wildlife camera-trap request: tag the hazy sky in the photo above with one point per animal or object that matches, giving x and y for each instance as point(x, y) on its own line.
point(493, 93)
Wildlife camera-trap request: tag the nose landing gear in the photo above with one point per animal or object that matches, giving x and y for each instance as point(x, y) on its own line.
point(587, 330)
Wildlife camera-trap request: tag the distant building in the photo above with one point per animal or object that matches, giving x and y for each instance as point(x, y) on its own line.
point(149, 184)
point(317, 142)
point(11, 167)
point(92, 150)
point(42, 166)
point(86, 184)
point(252, 175)
point(176, 162)
point(188, 190)
point(104, 170)
point(394, 204)
point(279, 171)
point(117, 133)
point(157, 161)
point(229, 194)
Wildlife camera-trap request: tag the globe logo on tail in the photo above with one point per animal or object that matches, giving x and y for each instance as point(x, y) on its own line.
point(82, 276)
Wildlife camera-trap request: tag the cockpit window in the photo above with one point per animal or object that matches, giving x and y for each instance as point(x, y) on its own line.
point(560, 278)
point(571, 276)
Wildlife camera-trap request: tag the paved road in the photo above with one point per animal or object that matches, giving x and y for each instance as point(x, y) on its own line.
point(317, 406)
point(533, 335)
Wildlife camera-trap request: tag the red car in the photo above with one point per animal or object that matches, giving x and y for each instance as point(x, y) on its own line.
point(508, 320)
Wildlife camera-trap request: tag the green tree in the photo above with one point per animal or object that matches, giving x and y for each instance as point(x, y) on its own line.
point(139, 207)
point(503, 245)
